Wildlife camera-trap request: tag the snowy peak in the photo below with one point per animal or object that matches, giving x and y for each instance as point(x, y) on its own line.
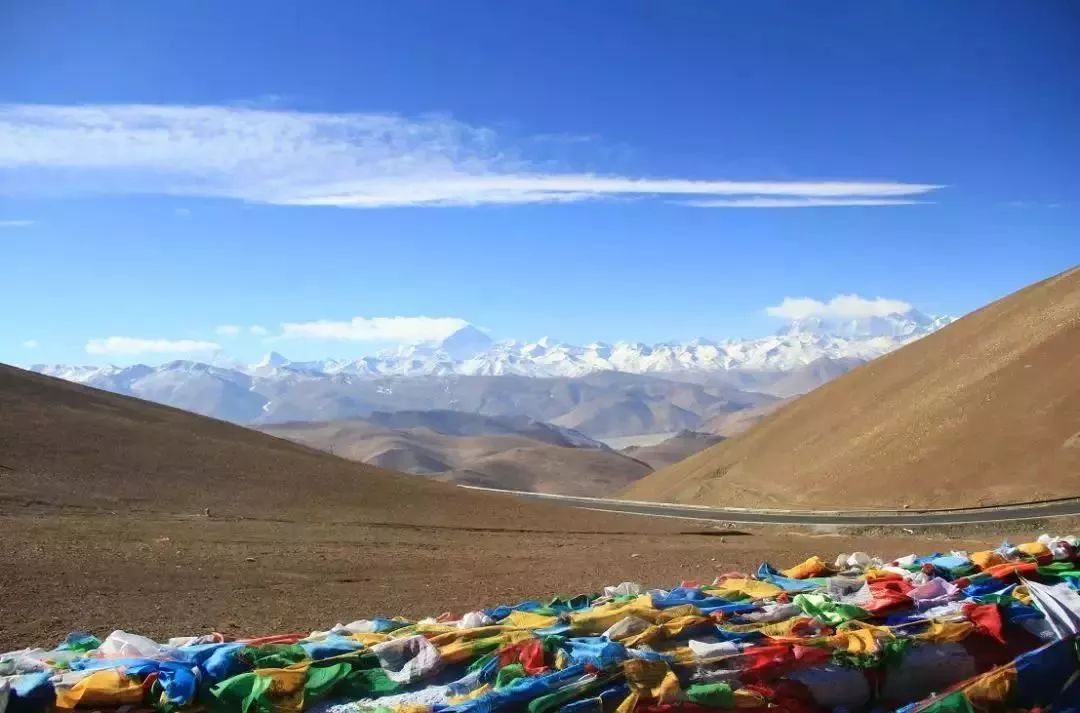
point(273, 360)
point(471, 352)
point(466, 343)
point(896, 325)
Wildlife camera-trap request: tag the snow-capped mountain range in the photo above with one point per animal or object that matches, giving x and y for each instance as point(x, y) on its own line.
point(603, 390)
point(471, 352)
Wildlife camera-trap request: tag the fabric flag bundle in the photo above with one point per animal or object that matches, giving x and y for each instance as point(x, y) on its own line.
point(957, 631)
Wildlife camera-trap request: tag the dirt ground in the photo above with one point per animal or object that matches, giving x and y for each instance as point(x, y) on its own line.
point(167, 575)
point(103, 526)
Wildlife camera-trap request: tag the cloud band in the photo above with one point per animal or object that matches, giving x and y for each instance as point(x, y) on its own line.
point(347, 160)
point(841, 306)
point(136, 345)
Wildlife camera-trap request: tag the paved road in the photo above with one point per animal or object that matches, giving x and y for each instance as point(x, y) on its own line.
point(776, 517)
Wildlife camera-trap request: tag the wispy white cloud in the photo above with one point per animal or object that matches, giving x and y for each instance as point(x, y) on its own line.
point(355, 160)
point(376, 329)
point(31, 344)
point(1030, 204)
point(841, 306)
point(522, 188)
point(136, 345)
point(17, 223)
point(235, 330)
point(798, 202)
point(182, 212)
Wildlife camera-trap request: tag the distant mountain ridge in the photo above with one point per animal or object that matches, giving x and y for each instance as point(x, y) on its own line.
point(602, 390)
point(512, 452)
point(457, 423)
point(471, 352)
point(900, 325)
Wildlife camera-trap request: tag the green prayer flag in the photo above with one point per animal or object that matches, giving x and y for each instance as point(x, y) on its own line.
point(245, 692)
point(952, 703)
point(509, 673)
point(714, 695)
point(828, 611)
point(322, 679)
point(272, 655)
point(480, 663)
point(367, 683)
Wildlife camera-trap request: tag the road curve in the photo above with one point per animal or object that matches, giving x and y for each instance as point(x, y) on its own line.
point(1027, 511)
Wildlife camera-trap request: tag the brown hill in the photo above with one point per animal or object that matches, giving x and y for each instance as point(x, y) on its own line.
point(985, 411)
point(617, 416)
point(672, 450)
point(70, 447)
point(732, 424)
point(535, 459)
point(550, 469)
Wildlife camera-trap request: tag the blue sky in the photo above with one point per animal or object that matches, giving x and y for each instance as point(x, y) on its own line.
point(609, 171)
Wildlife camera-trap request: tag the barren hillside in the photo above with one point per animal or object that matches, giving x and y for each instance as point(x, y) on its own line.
point(987, 410)
point(537, 457)
point(70, 447)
